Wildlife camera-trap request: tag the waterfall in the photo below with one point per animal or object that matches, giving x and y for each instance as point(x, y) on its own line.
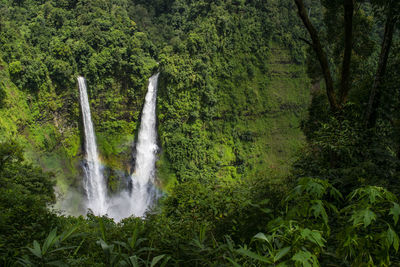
point(143, 192)
point(143, 178)
point(94, 183)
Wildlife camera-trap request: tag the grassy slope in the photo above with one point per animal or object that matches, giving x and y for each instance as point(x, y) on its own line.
point(288, 97)
point(271, 129)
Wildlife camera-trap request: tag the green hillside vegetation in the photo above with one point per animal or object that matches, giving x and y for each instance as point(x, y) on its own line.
point(238, 94)
point(278, 124)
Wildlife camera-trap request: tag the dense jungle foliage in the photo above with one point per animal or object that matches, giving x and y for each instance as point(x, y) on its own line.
point(278, 125)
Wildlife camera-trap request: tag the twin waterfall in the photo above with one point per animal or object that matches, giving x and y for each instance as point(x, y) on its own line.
point(143, 191)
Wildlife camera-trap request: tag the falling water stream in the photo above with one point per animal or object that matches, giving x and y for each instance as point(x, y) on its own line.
point(143, 189)
point(94, 183)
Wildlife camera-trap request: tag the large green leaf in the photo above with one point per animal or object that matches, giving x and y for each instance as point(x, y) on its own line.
point(364, 216)
point(68, 233)
point(133, 261)
point(51, 239)
point(305, 258)
point(253, 255)
point(281, 253)
point(318, 210)
point(263, 237)
point(156, 260)
point(36, 249)
point(393, 238)
point(313, 236)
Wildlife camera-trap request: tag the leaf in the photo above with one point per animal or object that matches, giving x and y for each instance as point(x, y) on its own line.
point(50, 240)
point(303, 257)
point(315, 188)
point(261, 236)
point(228, 241)
point(62, 248)
point(135, 234)
point(393, 238)
point(366, 216)
point(234, 263)
point(165, 261)
point(373, 193)
point(369, 216)
point(78, 247)
point(253, 255)
point(102, 228)
point(25, 261)
point(266, 210)
point(67, 233)
point(336, 193)
point(395, 211)
point(36, 249)
point(122, 244)
point(313, 236)
point(332, 207)
point(132, 261)
point(156, 259)
point(282, 252)
point(107, 249)
point(319, 211)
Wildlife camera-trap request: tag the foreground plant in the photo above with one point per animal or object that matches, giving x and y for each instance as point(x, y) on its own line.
point(48, 253)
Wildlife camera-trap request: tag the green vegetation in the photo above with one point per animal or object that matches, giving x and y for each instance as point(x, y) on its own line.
point(278, 131)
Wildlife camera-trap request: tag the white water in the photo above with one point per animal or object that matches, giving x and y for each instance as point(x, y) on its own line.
point(144, 192)
point(143, 189)
point(94, 183)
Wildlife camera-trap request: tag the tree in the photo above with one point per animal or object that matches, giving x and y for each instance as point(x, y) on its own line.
point(321, 55)
point(392, 9)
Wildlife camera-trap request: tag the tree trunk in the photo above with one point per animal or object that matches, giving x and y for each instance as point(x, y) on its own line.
point(374, 97)
point(322, 58)
point(348, 46)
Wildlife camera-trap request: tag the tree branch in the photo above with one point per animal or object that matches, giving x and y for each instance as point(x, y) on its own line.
point(306, 41)
point(322, 58)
